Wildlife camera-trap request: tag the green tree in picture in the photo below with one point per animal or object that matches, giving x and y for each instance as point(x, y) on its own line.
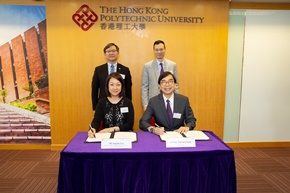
point(29, 88)
point(4, 95)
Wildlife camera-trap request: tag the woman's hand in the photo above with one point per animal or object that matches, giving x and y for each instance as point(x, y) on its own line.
point(107, 130)
point(91, 133)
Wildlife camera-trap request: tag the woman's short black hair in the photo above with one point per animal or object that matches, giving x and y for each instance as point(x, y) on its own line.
point(117, 76)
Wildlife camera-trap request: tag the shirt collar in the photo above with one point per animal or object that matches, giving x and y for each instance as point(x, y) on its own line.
point(111, 64)
point(171, 99)
point(159, 62)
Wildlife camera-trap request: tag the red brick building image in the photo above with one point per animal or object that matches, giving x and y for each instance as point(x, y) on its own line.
point(24, 81)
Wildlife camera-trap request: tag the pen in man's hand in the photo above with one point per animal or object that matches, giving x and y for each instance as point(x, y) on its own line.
point(91, 128)
point(159, 127)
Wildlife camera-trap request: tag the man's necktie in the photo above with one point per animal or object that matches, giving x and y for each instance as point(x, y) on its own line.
point(161, 68)
point(169, 112)
point(112, 69)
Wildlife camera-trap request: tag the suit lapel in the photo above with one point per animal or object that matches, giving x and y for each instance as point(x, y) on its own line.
point(165, 65)
point(119, 67)
point(176, 106)
point(105, 70)
point(155, 68)
point(163, 110)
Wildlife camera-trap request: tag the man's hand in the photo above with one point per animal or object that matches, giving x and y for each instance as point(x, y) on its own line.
point(158, 130)
point(182, 129)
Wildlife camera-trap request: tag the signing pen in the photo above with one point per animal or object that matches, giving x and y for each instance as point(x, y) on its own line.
point(159, 127)
point(91, 128)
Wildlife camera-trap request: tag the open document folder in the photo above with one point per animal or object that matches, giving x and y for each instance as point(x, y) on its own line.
point(115, 135)
point(197, 135)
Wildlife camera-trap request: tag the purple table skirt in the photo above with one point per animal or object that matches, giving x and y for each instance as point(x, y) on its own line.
point(148, 167)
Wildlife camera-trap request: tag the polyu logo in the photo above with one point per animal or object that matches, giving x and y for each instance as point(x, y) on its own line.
point(85, 17)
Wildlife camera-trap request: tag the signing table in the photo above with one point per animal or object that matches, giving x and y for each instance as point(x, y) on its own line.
point(149, 167)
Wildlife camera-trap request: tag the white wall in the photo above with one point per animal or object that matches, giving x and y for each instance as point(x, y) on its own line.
point(234, 75)
point(259, 81)
point(265, 99)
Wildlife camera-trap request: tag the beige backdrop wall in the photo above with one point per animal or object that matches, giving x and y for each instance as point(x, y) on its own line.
point(199, 49)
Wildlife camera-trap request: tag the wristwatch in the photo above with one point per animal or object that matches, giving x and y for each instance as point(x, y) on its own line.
point(151, 129)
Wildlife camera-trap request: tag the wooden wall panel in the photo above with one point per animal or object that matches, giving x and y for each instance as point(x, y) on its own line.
point(200, 51)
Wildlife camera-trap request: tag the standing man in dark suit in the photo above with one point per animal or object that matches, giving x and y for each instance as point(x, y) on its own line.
point(111, 52)
point(172, 111)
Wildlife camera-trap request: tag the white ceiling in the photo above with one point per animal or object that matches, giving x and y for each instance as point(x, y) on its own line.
point(260, 1)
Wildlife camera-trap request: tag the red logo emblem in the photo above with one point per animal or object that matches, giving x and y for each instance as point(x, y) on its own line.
point(85, 17)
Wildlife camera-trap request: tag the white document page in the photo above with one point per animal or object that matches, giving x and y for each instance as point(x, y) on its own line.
point(169, 135)
point(126, 135)
point(197, 135)
point(117, 135)
point(99, 137)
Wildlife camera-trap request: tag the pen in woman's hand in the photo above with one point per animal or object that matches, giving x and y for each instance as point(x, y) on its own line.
point(93, 130)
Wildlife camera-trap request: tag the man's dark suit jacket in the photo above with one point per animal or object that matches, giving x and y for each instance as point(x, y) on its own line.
point(156, 108)
point(99, 82)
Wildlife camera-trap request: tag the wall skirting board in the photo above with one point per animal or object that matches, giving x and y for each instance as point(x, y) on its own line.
point(258, 144)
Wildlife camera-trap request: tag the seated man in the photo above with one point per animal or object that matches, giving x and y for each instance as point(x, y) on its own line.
point(170, 110)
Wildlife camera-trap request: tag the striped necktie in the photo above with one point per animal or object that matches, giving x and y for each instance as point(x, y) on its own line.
point(112, 69)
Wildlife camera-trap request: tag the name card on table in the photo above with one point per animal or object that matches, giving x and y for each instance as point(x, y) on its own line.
point(122, 143)
point(180, 142)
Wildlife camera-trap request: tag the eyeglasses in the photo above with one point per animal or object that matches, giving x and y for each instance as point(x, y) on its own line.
point(169, 82)
point(159, 50)
point(111, 51)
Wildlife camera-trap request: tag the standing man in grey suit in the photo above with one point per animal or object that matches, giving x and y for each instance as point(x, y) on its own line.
point(111, 52)
point(153, 69)
point(172, 111)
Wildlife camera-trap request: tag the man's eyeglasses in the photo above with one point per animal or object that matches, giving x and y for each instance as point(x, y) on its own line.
point(111, 51)
point(159, 50)
point(169, 82)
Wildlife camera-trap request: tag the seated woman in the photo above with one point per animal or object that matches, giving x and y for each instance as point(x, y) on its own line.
point(116, 112)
